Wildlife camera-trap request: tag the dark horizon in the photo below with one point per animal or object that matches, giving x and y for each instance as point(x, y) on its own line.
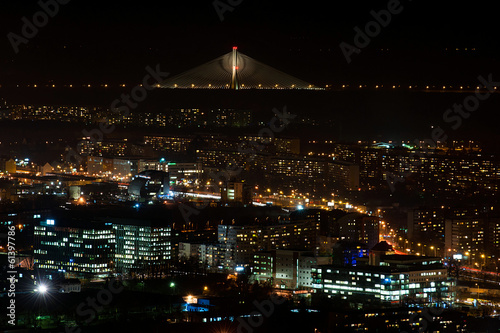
point(95, 43)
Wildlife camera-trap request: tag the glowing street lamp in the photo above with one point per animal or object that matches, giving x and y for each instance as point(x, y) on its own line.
point(42, 289)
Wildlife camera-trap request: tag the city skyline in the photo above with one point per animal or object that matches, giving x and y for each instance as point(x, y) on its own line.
point(233, 166)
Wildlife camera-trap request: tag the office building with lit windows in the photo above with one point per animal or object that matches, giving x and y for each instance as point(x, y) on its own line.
point(286, 269)
point(79, 250)
point(242, 241)
point(395, 279)
point(140, 242)
point(101, 245)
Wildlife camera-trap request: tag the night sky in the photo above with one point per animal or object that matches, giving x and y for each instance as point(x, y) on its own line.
point(112, 41)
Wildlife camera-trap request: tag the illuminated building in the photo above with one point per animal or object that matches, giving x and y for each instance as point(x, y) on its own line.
point(212, 256)
point(345, 174)
point(395, 280)
point(359, 228)
point(225, 158)
point(70, 286)
point(306, 173)
point(140, 243)
point(149, 185)
point(467, 235)
point(112, 147)
point(97, 165)
point(215, 117)
point(347, 253)
point(242, 241)
point(8, 166)
point(236, 192)
point(279, 145)
point(184, 172)
point(156, 165)
point(101, 246)
point(209, 256)
point(299, 167)
point(427, 225)
point(443, 170)
point(189, 250)
point(174, 117)
point(79, 250)
point(176, 144)
point(56, 112)
point(286, 269)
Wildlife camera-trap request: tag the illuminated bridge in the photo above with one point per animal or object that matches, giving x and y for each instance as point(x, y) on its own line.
point(235, 71)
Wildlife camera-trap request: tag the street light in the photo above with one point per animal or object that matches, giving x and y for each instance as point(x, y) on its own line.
point(42, 289)
point(433, 248)
point(172, 285)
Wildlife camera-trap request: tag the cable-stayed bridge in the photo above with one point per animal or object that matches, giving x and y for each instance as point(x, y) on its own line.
point(235, 70)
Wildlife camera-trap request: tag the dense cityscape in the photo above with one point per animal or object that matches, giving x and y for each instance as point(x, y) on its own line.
point(233, 196)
